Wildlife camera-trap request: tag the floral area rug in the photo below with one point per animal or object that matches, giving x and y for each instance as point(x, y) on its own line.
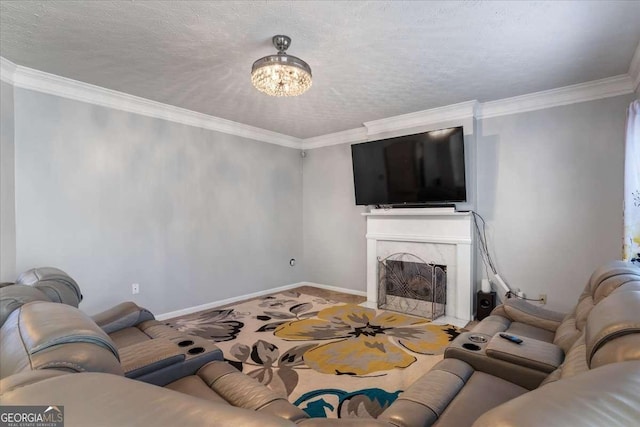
point(330, 359)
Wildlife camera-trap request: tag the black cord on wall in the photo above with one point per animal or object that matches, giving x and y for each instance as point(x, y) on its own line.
point(480, 227)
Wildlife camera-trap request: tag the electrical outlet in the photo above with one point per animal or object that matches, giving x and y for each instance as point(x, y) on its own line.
point(135, 288)
point(543, 299)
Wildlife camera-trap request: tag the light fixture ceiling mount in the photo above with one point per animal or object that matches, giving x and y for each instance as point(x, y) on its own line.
point(281, 74)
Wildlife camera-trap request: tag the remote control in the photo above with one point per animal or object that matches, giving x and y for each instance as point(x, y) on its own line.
point(511, 338)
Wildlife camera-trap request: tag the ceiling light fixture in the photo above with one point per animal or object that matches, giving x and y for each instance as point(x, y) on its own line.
point(281, 74)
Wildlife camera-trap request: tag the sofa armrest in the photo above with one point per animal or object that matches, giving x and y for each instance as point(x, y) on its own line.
point(531, 353)
point(242, 391)
point(149, 356)
point(427, 398)
point(123, 315)
point(518, 310)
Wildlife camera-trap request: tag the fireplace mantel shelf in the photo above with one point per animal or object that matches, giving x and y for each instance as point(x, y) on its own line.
point(416, 212)
point(418, 238)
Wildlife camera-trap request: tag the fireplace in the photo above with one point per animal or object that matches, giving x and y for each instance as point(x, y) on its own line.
point(408, 284)
point(436, 236)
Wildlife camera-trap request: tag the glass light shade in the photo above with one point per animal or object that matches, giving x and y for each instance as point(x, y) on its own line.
point(281, 75)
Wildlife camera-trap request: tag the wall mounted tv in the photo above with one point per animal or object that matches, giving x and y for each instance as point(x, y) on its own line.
point(424, 168)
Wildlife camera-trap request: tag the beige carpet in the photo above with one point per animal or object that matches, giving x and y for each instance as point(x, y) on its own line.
point(330, 359)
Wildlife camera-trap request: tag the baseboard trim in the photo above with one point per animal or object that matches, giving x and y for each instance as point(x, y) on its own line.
point(214, 304)
point(226, 301)
point(334, 288)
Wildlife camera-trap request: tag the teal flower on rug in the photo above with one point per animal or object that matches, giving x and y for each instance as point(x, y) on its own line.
point(365, 403)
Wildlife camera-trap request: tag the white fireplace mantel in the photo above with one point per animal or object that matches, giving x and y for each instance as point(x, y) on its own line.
point(438, 235)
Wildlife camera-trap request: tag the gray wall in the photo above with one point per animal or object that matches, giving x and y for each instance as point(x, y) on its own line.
point(7, 189)
point(549, 183)
point(114, 198)
point(335, 248)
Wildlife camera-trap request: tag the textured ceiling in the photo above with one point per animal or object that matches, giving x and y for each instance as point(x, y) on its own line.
point(370, 60)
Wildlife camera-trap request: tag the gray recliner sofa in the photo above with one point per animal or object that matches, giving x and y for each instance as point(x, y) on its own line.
point(147, 350)
point(518, 317)
point(456, 392)
point(41, 340)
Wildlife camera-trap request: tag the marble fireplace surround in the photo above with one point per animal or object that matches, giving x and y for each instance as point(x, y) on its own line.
point(436, 235)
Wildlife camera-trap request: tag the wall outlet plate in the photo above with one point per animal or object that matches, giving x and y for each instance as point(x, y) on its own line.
point(135, 288)
point(543, 299)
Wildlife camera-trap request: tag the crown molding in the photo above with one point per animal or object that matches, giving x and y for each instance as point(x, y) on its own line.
point(589, 91)
point(7, 70)
point(634, 68)
point(28, 78)
point(345, 137)
point(419, 119)
point(447, 113)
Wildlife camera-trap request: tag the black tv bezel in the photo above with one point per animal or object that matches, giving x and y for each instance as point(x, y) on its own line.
point(415, 204)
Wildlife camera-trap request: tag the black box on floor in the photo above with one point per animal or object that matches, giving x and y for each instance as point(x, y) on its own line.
point(485, 302)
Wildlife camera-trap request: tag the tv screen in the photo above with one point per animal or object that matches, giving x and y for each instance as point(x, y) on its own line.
point(425, 168)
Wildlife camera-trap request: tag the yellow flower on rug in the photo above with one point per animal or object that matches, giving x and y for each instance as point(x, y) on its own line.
point(365, 340)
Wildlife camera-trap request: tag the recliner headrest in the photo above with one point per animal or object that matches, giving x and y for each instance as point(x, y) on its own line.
point(612, 332)
point(611, 275)
point(57, 284)
point(42, 335)
point(54, 324)
point(613, 283)
point(15, 296)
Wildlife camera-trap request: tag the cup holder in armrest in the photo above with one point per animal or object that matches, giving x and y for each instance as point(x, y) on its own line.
point(185, 343)
point(195, 350)
point(470, 346)
point(478, 338)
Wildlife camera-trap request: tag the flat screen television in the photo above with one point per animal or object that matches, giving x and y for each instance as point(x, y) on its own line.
point(424, 168)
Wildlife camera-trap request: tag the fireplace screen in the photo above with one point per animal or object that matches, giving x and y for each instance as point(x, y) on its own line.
point(409, 285)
